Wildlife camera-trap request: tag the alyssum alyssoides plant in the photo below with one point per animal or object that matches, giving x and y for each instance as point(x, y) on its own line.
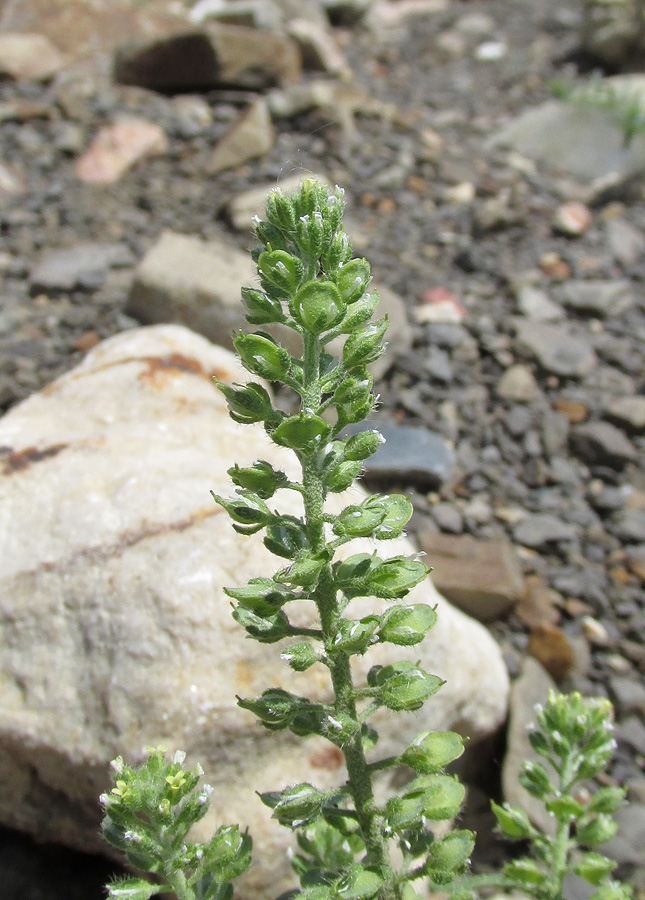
point(351, 847)
point(310, 284)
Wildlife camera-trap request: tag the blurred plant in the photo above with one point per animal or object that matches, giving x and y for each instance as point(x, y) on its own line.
point(351, 847)
point(623, 106)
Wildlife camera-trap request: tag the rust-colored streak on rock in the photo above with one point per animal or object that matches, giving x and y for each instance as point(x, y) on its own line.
point(20, 460)
point(160, 368)
point(330, 758)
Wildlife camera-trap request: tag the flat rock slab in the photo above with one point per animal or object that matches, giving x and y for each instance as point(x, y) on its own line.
point(115, 633)
point(484, 578)
point(410, 455)
point(581, 140)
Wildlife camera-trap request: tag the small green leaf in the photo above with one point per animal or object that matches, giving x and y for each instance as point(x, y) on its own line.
point(262, 356)
point(513, 823)
point(248, 403)
point(432, 750)
point(525, 872)
point(318, 306)
point(594, 868)
point(598, 831)
point(357, 884)
point(395, 577)
point(265, 629)
point(403, 685)
point(364, 345)
point(132, 889)
point(300, 432)
point(280, 273)
point(260, 308)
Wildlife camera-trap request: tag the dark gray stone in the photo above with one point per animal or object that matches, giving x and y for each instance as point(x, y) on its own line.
point(602, 443)
point(542, 529)
point(557, 349)
point(410, 455)
point(628, 412)
point(601, 298)
point(628, 695)
point(630, 526)
point(632, 732)
point(84, 266)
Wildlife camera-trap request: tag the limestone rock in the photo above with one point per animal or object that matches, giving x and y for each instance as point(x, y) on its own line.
point(28, 57)
point(208, 57)
point(250, 137)
point(115, 632)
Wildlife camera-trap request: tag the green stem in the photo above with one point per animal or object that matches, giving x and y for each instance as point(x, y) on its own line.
point(561, 842)
point(178, 883)
point(358, 773)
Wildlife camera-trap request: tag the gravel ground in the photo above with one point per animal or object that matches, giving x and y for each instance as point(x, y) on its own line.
point(551, 461)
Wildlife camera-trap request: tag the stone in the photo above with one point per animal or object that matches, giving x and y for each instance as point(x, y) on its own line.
point(346, 12)
point(83, 266)
point(251, 203)
point(29, 57)
point(191, 115)
point(319, 50)
point(261, 14)
point(631, 731)
point(539, 604)
point(630, 526)
point(11, 182)
point(628, 413)
point(626, 243)
point(116, 148)
point(541, 529)
point(448, 518)
point(572, 219)
point(584, 141)
point(410, 455)
point(250, 137)
point(518, 383)
point(601, 298)
point(536, 305)
point(484, 578)
point(628, 695)
point(193, 282)
point(550, 646)
point(611, 31)
point(208, 57)
point(574, 410)
point(116, 634)
point(558, 349)
point(531, 688)
point(600, 443)
point(628, 847)
point(439, 305)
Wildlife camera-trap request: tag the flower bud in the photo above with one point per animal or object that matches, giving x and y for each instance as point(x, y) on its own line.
point(260, 308)
point(352, 279)
point(524, 872)
point(280, 272)
point(261, 478)
point(310, 234)
point(364, 345)
point(286, 537)
point(338, 252)
point(363, 445)
point(406, 625)
point(247, 403)
point(279, 210)
point(359, 312)
point(432, 750)
point(534, 778)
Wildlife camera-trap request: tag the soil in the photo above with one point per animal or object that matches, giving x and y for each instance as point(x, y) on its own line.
point(432, 207)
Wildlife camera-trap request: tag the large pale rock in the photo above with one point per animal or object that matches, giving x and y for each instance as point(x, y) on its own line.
point(115, 632)
point(250, 137)
point(29, 57)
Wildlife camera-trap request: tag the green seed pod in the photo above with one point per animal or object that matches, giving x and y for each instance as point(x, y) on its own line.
point(340, 729)
point(354, 388)
point(300, 656)
point(262, 356)
point(261, 478)
point(594, 868)
point(607, 800)
point(402, 813)
point(260, 308)
point(295, 806)
point(406, 625)
point(364, 345)
point(247, 510)
point(132, 889)
point(404, 686)
point(359, 312)
point(432, 750)
point(599, 831)
point(280, 212)
point(317, 306)
point(353, 636)
point(564, 808)
point(280, 273)
point(395, 577)
point(247, 403)
point(357, 884)
point(229, 853)
point(265, 629)
point(261, 596)
point(442, 796)
point(363, 445)
point(513, 823)
point(342, 476)
point(310, 234)
point(303, 571)
point(525, 872)
point(535, 780)
point(451, 853)
point(286, 537)
point(358, 521)
point(398, 512)
point(302, 432)
point(352, 279)
point(275, 708)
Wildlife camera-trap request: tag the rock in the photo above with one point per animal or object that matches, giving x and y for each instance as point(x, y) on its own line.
point(410, 455)
point(628, 847)
point(491, 51)
point(250, 137)
point(209, 57)
point(116, 148)
point(262, 14)
point(346, 12)
point(319, 50)
point(584, 141)
point(116, 634)
point(196, 283)
point(29, 57)
point(448, 518)
point(549, 645)
point(630, 526)
point(612, 31)
point(84, 266)
point(628, 695)
point(384, 15)
point(531, 688)
point(439, 305)
point(572, 218)
point(538, 605)
point(251, 203)
point(536, 305)
point(628, 413)
point(540, 530)
point(632, 731)
point(11, 183)
point(574, 410)
point(600, 443)
point(518, 383)
point(553, 266)
point(191, 115)
point(636, 561)
point(601, 298)
point(484, 578)
point(626, 243)
point(558, 349)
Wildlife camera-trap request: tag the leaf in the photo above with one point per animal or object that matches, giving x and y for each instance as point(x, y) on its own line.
point(406, 625)
point(132, 889)
point(358, 884)
point(300, 432)
point(404, 686)
point(432, 750)
point(513, 823)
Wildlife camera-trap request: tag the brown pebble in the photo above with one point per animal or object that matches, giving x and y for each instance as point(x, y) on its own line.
point(554, 266)
point(575, 411)
point(572, 218)
point(549, 645)
point(386, 205)
point(538, 604)
point(86, 341)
